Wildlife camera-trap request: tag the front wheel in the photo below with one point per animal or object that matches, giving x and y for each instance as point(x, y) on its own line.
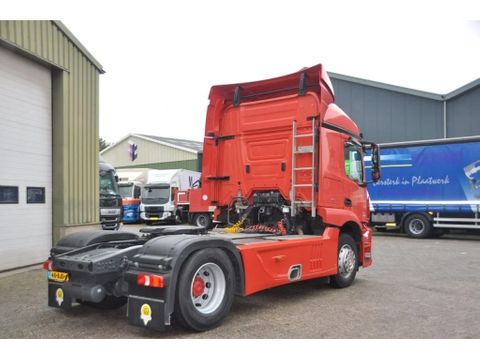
point(205, 290)
point(347, 262)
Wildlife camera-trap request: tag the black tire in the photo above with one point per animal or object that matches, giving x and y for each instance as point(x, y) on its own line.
point(178, 218)
point(200, 313)
point(110, 302)
point(202, 220)
point(418, 226)
point(347, 260)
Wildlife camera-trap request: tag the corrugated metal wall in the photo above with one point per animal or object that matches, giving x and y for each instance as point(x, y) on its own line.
point(75, 115)
point(388, 116)
point(463, 114)
point(150, 154)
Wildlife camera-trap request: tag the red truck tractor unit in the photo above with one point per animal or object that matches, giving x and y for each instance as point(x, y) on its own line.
point(283, 170)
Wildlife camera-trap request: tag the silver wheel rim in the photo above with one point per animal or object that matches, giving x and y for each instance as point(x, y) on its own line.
point(416, 226)
point(346, 261)
point(202, 221)
point(208, 298)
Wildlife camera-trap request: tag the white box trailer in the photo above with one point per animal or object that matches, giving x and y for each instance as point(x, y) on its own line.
point(158, 195)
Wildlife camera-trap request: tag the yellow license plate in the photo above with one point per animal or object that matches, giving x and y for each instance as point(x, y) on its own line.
point(154, 218)
point(58, 276)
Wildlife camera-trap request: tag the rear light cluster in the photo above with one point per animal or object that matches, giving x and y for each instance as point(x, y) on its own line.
point(48, 265)
point(150, 280)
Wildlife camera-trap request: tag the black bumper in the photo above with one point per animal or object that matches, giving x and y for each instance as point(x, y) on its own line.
point(110, 222)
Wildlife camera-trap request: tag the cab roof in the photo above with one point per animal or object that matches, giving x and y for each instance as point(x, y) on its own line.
point(299, 82)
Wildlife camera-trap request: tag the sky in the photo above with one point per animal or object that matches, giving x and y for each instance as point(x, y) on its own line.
point(162, 57)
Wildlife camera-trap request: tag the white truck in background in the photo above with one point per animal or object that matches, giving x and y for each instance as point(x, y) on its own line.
point(158, 195)
point(130, 183)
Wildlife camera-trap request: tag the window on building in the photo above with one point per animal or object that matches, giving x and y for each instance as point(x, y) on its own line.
point(35, 195)
point(8, 194)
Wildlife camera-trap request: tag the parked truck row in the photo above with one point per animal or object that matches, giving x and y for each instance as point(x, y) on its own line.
point(283, 170)
point(152, 196)
point(428, 187)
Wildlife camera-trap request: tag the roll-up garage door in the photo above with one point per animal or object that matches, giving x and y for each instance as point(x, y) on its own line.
point(25, 161)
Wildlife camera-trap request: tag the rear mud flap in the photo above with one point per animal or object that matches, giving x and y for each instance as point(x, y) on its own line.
point(146, 313)
point(57, 297)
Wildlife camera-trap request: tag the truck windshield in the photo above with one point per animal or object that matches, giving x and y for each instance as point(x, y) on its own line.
point(126, 190)
point(108, 185)
point(156, 195)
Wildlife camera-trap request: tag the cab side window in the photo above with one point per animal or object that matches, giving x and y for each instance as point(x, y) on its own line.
point(137, 192)
point(353, 162)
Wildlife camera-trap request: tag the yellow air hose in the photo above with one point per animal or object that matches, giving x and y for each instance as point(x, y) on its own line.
point(235, 228)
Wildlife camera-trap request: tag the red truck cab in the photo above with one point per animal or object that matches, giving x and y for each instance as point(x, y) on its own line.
point(284, 142)
point(282, 174)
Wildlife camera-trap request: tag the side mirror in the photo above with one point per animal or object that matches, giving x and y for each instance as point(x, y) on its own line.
point(375, 163)
point(116, 178)
point(174, 193)
point(375, 159)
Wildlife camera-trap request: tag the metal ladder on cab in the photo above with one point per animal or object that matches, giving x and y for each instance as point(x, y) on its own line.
point(297, 152)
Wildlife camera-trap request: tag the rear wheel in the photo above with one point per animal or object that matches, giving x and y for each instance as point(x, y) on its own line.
point(418, 226)
point(347, 262)
point(202, 219)
point(205, 290)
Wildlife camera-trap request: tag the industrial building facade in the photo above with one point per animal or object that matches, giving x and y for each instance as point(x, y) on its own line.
point(387, 113)
point(154, 152)
point(49, 97)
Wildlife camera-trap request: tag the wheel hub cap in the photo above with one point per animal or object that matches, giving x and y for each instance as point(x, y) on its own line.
point(208, 288)
point(416, 227)
point(198, 286)
point(346, 261)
